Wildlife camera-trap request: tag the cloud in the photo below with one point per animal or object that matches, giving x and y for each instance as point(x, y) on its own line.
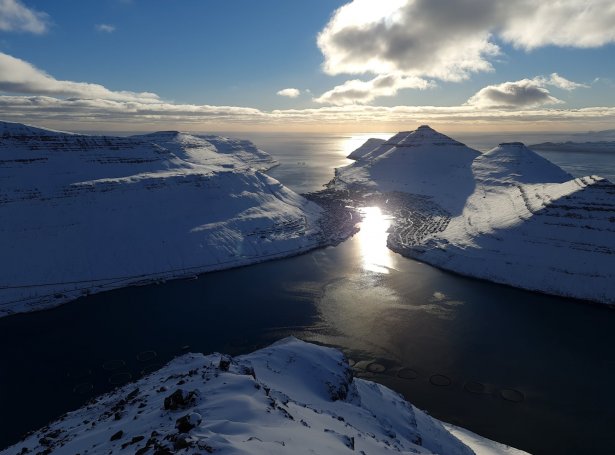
point(15, 16)
point(72, 113)
point(32, 96)
point(363, 92)
point(531, 24)
point(560, 82)
point(523, 93)
point(106, 28)
point(19, 76)
point(290, 92)
point(451, 40)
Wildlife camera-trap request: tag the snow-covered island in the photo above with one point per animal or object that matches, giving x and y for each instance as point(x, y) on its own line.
point(508, 215)
point(292, 397)
point(81, 214)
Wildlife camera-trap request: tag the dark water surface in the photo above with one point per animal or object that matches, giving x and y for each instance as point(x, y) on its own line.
point(533, 371)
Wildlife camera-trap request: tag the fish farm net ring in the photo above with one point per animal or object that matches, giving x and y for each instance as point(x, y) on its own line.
point(512, 395)
point(474, 387)
point(407, 373)
point(440, 380)
point(376, 367)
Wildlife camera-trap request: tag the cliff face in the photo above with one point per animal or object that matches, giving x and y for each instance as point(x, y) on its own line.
point(81, 214)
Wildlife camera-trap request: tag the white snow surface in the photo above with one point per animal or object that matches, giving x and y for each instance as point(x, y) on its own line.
point(81, 214)
point(515, 217)
point(291, 397)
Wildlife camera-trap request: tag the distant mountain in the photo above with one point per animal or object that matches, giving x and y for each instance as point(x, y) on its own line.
point(510, 216)
point(569, 146)
point(81, 214)
point(604, 135)
point(291, 397)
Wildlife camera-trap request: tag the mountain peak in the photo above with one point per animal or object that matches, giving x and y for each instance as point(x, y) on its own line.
point(424, 135)
point(513, 161)
point(425, 128)
point(519, 145)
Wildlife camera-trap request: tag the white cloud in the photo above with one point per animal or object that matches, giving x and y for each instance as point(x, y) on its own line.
point(530, 24)
point(15, 16)
point(71, 113)
point(290, 92)
point(362, 92)
point(451, 40)
point(522, 94)
point(19, 76)
point(69, 104)
point(560, 82)
point(106, 28)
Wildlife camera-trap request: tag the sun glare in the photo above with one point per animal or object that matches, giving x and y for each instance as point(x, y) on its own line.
point(375, 255)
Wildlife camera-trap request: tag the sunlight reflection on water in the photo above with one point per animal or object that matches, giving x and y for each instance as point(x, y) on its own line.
point(375, 255)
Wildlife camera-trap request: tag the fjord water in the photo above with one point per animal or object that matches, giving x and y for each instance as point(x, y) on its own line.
point(533, 371)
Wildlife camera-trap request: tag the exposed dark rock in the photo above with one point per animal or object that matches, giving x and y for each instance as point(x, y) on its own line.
point(225, 363)
point(179, 399)
point(188, 422)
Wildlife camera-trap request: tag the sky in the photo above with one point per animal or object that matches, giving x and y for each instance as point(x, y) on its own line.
point(308, 65)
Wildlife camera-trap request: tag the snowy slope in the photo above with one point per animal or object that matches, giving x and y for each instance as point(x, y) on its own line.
point(419, 162)
point(369, 146)
point(81, 214)
point(557, 238)
point(525, 222)
point(292, 397)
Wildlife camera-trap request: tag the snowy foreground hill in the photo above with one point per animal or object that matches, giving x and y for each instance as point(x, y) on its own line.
point(292, 398)
point(81, 214)
point(508, 215)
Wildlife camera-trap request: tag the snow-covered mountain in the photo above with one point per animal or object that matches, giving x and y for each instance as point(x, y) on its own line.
point(510, 216)
point(418, 162)
point(81, 214)
point(369, 146)
point(292, 397)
